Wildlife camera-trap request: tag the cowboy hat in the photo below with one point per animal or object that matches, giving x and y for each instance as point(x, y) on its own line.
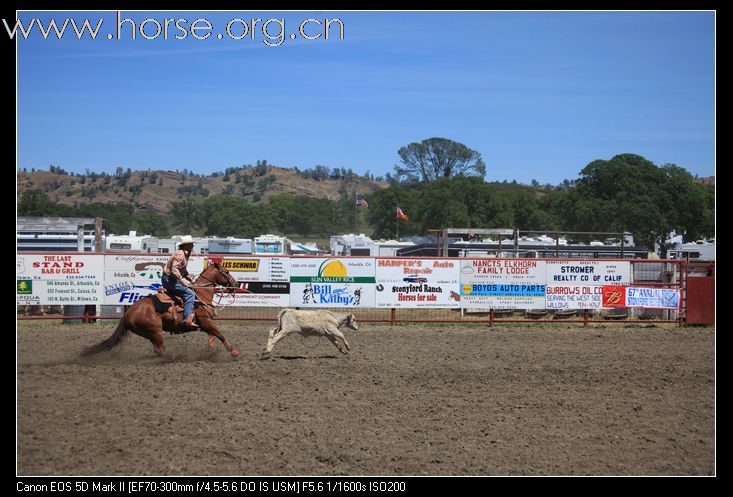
point(185, 239)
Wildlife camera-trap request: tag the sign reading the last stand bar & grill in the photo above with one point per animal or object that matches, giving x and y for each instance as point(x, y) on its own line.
point(59, 279)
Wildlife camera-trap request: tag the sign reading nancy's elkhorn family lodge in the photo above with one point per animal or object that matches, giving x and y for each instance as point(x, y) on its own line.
point(58, 279)
point(502, 283)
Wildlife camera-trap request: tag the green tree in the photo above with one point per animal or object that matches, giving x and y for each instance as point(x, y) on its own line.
point(630, 193)
point(37, 203)
point(151, 223)
point(187, 215)
point(438, 157)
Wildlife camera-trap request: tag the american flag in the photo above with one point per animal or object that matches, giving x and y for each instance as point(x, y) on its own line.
point(360, 202)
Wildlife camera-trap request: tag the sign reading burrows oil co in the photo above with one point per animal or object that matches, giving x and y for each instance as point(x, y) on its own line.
point(265, 281)
point(414, 283)
point(579, 284)
point(502, 284)
point(321, 282)
point(58, 279)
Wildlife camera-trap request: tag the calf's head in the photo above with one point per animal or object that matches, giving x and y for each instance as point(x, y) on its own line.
point(351, 322)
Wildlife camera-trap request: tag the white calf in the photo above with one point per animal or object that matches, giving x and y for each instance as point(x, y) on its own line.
point(309, 323)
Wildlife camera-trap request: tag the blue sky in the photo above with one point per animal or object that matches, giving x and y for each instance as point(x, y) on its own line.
point(539, 94)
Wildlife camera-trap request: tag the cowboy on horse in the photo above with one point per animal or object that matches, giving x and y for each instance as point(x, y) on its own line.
point(150, 316)
point(177, 280)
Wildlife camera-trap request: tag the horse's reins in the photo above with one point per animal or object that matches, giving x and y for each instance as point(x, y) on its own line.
point(216, 307)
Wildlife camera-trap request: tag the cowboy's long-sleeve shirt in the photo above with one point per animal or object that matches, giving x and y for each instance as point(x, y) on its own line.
point(177, 265)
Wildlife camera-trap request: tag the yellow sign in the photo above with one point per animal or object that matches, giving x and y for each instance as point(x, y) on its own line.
point(466, 289)
point(244, 265)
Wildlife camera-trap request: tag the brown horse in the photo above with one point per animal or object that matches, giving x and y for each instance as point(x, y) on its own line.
point(142, 318)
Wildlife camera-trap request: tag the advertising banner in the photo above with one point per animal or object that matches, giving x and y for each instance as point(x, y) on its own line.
point(128, 278)
point(502, 284)
point(414, 283)
point(579, 284)
point(653, 298)
point(332, 282)
point(56, 279)
point(265, 280)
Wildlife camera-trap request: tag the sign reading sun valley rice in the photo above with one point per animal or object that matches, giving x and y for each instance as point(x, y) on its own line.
point(331, 282)
point(265, 281)
point(58, 279)
point(403, 282)
point(579, 284)
point(128, 278)
point(502, 283)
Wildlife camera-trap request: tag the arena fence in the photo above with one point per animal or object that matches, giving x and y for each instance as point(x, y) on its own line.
point(646, 274)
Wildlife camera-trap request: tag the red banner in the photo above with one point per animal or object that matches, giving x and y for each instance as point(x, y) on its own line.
point(614, 296)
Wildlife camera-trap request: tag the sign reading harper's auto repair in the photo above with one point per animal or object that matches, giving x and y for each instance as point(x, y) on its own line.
point(502, 283)
point(579, 284)
point(414, 283)
point(58, 279)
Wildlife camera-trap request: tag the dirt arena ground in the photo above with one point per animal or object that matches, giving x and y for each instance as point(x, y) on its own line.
point(409, 400)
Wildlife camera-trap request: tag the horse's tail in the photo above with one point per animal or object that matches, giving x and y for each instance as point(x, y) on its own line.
point(111, 342)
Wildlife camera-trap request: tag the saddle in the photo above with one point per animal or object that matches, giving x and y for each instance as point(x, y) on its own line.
point(165, 301)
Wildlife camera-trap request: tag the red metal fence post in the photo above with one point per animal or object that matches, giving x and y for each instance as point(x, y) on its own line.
point(393, 317)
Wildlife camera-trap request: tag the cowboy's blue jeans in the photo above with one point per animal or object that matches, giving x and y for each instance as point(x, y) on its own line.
point(189, 296)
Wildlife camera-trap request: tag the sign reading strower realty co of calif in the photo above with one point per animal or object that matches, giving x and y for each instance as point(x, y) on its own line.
point(414, 283)
point(331, 282)
point(502, 283)
point(59, 279)
point(579, 284)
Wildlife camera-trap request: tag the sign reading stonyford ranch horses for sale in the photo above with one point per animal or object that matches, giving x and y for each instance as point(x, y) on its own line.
point(502, 283)
point(322, 282)
point(128, 278)
point(265, 280)
point(58, 279)
point(414, 283)
point(579, 284)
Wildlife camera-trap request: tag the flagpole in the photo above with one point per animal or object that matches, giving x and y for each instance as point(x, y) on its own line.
point(397, 223)
point(356, 214)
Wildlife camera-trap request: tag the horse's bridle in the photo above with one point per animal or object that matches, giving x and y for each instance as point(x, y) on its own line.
point(230, 289)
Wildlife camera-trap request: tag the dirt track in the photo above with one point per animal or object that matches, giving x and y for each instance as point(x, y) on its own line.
point(414, 400)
